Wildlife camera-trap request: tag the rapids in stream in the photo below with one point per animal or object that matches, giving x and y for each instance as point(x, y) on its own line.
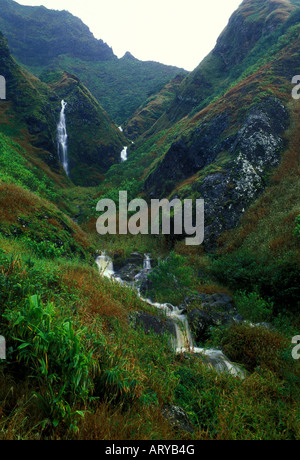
point(183, 343)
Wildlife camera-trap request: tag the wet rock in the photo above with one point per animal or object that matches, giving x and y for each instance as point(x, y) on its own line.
point(218, 302)
point(136, 259)
point(200, 322)
point(178, 418)
point(238, 318)
point(128, 272)
point(154, 324)
point(118, 262)
point(146, 286)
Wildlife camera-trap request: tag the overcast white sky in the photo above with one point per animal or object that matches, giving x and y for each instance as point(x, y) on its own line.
point(175, 32)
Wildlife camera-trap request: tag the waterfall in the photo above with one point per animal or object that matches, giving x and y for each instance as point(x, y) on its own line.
point(62, 138)
point(124, 154)
point(183, 343)
point(147, 263)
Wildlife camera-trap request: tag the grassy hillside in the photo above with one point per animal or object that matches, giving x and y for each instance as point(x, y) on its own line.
point(152, 109)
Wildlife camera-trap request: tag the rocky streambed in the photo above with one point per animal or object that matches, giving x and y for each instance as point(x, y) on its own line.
point(184, 324)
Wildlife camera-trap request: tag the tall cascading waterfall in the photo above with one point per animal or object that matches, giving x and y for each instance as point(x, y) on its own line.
point(184, 341)
point(62, 138)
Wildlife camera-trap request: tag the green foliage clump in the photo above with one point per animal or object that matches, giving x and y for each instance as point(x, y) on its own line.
point(253, 307)
point(256, 346)
point(297, 228)
point(277, 280)
point(44, 248)
point(53, 350)
point(171, 280)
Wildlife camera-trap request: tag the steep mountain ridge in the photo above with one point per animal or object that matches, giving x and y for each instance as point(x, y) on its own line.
point(41, 39)
point(236, 47)
point(36, 35)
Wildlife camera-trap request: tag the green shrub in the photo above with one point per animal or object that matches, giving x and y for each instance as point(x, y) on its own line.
point(253, 307)
point(297, 228)
point(277, 280)
point(56, 353)
point(171, 280)
point(44, 248)
point(255, 347)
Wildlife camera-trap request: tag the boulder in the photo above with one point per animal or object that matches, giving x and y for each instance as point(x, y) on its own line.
point(200, 322)
point(178, 419)
point(154, 324)
point(128, 272)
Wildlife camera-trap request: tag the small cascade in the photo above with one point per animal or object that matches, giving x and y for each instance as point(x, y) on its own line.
point(124, 154)
point(147, 263)
point(121, 129)
point(62, 138)
point(183, 343)
point(105, 265)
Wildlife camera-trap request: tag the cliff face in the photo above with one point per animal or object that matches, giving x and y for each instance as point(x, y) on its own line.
point(28, 108)
point(234, 168)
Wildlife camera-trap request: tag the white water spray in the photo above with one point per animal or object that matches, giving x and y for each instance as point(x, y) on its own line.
point(147, 263)
point(105, 265)
point(124, 154)
point(62, 138)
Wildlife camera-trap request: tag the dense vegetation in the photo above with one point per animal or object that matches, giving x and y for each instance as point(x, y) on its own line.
point(79, 366)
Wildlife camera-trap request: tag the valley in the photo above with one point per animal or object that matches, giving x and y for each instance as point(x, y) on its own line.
point(138, 333)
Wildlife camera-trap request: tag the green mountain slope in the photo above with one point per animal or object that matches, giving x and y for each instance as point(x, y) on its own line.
point(94, 142)
point(30, 115)
point(251, 31)
point(36, 35)
point(227, 151)
point(42, 39)
point(152, 109)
